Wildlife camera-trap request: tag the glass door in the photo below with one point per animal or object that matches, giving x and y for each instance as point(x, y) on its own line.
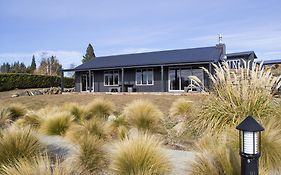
point(85, 82)
point(174, 79)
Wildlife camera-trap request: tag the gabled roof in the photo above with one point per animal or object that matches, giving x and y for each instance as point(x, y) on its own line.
point(245, 54)
point(193, 55)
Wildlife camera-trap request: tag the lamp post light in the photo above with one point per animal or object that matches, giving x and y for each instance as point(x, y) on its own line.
point(250, 144)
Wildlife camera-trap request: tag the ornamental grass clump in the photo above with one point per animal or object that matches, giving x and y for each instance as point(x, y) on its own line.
point(39, 165)
point(143, 115)
point(17, 143)
point(30, 120)
point(237, 93)
point(139, 155)
point(118, 127)
point(213, 158)
point(181, 107)
point(99, 108)
point(16, 111)
point(57, 124)
point(94, 127)
point(5, 116)
point(76, 110)
point(89, 158)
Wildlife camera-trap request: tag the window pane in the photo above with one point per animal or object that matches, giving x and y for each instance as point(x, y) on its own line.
point(149, 77)
point(144, 77)
point(138, 77)
point(106, 79)
point(110, 77)
point(185, 81)
point(116, 79)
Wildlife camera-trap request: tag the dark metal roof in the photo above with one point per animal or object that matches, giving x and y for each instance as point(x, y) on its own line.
point(193, 55)
point(245, 54)
point(269, 62)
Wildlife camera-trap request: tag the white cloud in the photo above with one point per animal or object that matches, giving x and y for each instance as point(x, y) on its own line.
point(66, 58)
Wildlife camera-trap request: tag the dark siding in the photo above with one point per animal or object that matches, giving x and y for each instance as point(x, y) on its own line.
point(77, 81)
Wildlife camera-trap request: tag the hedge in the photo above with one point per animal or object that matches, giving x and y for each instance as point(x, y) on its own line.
point(9, 81)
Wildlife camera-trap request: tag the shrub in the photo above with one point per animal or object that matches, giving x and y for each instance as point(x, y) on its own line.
point(94, 127)
point(139, 155)
point(236, 93)
point(16, 111)
point(39, 165)
point(17, 143)
point(89, 157)
point(9, 81)
point(100, 108)
point(181, 107)
point(57, 124)
point(143, 115)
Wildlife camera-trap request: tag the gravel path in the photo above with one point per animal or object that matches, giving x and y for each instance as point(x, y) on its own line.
point(180, 160)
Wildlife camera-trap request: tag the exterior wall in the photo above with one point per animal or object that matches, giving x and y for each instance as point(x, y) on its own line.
point(77, 81)
point(130, 79)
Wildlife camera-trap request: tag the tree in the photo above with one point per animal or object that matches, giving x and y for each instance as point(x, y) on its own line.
point(32, 67)
point(89, 54)
point(49, 66)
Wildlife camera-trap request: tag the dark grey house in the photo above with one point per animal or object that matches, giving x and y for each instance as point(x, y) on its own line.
point(161, 71)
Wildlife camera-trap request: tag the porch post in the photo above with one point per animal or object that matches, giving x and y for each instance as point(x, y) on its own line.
point(90, 82)
point(62, 80)
point(122, 76)
point(162, 79)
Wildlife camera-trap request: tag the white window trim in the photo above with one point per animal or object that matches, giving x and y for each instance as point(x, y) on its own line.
point(112, 77)
point(146, 69)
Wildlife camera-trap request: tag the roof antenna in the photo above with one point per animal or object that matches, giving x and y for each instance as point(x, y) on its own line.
point(220, 39)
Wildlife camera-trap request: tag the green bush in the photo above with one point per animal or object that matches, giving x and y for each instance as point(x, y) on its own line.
point(9, 81)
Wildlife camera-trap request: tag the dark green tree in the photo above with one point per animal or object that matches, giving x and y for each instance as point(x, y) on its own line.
point(89, 54)
point(33, 65)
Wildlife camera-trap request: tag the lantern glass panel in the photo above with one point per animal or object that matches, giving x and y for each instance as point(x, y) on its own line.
point(250, 142)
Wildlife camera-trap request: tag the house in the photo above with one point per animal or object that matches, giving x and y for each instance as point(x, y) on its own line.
point(161, 71)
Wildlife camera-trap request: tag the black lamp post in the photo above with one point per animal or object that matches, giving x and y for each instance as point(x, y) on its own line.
point(250, 144)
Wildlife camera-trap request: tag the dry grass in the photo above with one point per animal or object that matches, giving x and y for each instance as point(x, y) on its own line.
point(17, 143)
point(215, 156)
point(57, 124)
point(181, 107)
point(89, 157)
point(77, 111)
point(140, 155)
point(236, 94)
point(5, 116)
point(143, 115)
point(16, 110)
point(100, 108)
point(39, 165)
point(32, 120)
point(118, 127)
point(94, 127)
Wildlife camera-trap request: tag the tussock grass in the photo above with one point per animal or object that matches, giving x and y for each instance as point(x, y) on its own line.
point(5, 116)
point(57, 124)
point(76, 110)
point(16, 143)
point(236, 93)
point(30, 120)
point(99, 108)
point(143, 115)
point(118, 127)
point(89, 158)
point(39, 165)
point(93, 127)
point(181, 107)
point(16, 111)
point(139, 155)
point(215, 156)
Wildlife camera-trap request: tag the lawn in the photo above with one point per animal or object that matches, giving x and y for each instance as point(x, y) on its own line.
point(162, 100)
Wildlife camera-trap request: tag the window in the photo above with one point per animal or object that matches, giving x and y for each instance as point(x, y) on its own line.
point(111, 78)
point(234, 64)
point(144, 77)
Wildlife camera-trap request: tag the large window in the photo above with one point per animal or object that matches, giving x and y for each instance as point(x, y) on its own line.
point(111, 78)
point(144, 77)
point(234, 64)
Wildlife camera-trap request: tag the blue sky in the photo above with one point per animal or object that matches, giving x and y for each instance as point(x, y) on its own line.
point(65, 27)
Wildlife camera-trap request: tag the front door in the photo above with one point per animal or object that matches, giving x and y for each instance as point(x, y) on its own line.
point(84, 81)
